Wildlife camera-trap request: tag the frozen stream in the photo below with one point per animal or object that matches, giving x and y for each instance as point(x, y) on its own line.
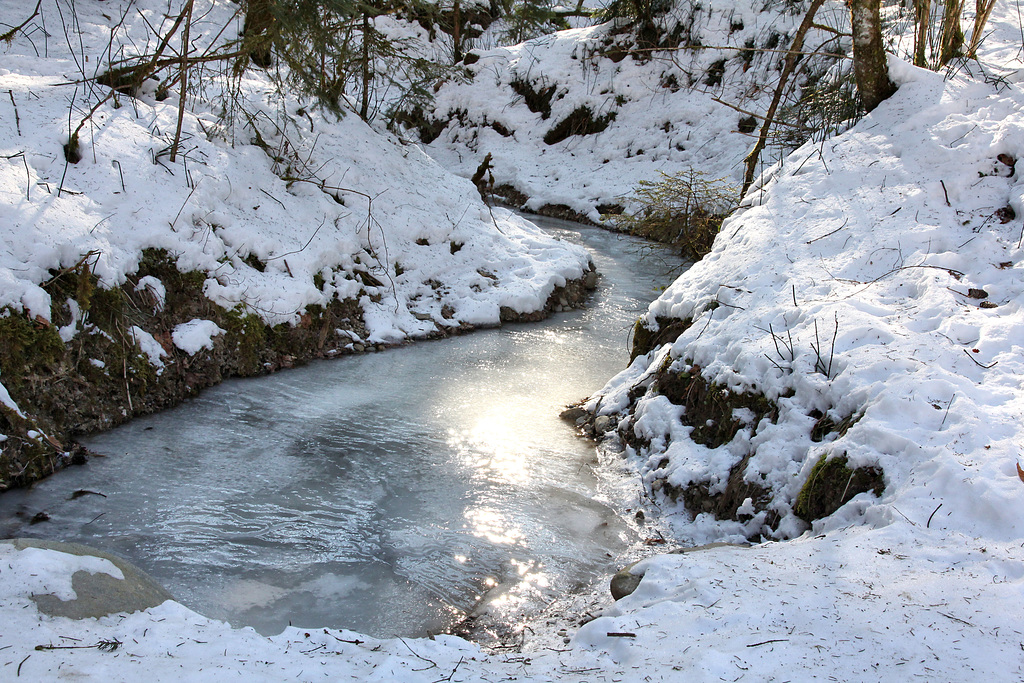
point(385, 493)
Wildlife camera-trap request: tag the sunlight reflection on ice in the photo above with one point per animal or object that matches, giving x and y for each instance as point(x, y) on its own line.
point(494, 526)
point(493, 447)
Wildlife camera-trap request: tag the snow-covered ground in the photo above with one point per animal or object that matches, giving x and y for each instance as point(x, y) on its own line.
point(899, 230)
point(303, 206)
point(668, 113)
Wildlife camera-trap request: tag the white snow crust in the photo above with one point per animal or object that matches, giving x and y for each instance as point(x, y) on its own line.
point(195, 335)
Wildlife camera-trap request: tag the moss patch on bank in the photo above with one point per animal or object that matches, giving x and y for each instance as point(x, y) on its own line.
point(716, 415)
point(832, 483)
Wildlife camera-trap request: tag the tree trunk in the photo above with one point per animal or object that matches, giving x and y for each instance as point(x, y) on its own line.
point(983, 8)
point(183, 79)
point(256, 31)
point(364, 105)
point(922, 13)
point(951, 38)
point(870, 66)
point(457, 31)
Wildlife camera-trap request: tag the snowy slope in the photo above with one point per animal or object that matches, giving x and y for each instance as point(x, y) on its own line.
point(224, 198)
point(664, 111)
point(280, 205)
point(927, 295)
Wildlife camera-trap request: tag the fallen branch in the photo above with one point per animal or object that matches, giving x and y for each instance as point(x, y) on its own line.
point(980, 365)
point(9, 36)
point(829, 234)
point(103, 646)
point(787, 70)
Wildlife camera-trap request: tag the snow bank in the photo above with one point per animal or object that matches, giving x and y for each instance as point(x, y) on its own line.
point(902, 308)
point(323, 200)
point(195, 335)
point(664, 111)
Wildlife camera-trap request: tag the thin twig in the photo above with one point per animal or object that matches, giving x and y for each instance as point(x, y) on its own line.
point(829, 234)
point(17, 119)
point(9, 36)
point(932, 515)
point(308, 242)
point(694, 48)
point(194, 187)
point(765, 642)
point(756, 116)
point(950, 616)
point(433, 664)
point(980, 365)
point(71, 138)
point(449, 676)
point(946, 414)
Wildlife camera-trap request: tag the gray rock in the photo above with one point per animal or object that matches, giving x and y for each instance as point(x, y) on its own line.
point(590, 280)
point(422, 316)
point(358, 348)
point(573, 414)
point(97, 594)
point(604, 423)
point(625, 582)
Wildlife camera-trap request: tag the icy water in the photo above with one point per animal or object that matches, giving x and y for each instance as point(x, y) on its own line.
point(388, 493)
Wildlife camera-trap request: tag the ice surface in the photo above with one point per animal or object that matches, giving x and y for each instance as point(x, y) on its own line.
point(387, 493)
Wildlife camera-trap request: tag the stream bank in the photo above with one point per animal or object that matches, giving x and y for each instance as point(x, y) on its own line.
point(109, 355)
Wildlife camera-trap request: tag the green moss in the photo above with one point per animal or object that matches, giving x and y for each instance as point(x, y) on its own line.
point(107, 309)
point(77, 282)
point(832, 484)
point(27, 348)
point(645, 339)
point(710, 406)
point(62, 392)
point(826, 425)
point(537, 100)
point(246, 333)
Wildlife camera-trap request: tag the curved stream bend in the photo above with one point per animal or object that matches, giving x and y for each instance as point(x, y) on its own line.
point(383, 493)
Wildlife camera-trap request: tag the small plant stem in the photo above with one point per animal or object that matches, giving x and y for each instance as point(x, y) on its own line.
point(184, 78)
